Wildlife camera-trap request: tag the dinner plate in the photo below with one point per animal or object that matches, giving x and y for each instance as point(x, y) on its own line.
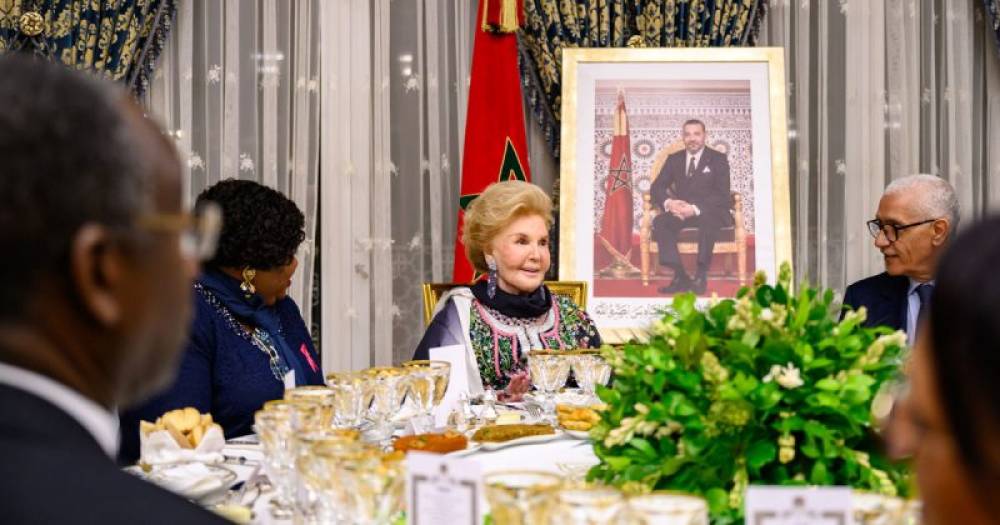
point(577, 434)
point(205, 492)
point(527, 440)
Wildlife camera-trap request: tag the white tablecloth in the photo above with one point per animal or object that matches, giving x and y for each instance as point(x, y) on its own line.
point(552, 456)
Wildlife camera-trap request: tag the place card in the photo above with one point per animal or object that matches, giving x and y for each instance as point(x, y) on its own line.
point(458, 380)
point(772, 505)
point(443, 489)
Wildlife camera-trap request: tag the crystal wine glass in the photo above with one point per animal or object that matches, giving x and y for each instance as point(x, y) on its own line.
point(521, 497)
point(348, 399)
point(668, 508)
point(549, 372)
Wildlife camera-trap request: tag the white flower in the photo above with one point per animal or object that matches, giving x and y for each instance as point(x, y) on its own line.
point(786, 376)
point(766, 315)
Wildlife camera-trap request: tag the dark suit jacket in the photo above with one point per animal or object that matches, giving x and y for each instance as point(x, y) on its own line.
point(708, 189)
point(53, 471)
point(884, 296)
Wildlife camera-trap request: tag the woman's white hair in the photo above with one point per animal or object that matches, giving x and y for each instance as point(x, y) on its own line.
point(936, 196)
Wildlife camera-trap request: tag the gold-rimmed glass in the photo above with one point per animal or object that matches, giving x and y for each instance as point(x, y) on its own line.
point(274, 429)
point(377, 481)
point(428, 384)
point(549, 371)
point(590, 370)
point(319, 498)
point(590, 505)
point(320, 395)
point(385, 390)
point(305, 415)
point(349, 398)
point(521, 497)
point(667, 508)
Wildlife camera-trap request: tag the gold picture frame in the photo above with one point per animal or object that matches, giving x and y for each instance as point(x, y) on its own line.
point(753, 82)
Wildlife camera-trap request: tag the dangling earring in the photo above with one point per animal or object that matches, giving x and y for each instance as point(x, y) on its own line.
point(491, 279)
point(247, 284)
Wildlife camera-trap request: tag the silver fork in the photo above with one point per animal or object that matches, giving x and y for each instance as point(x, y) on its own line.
point(534, 411)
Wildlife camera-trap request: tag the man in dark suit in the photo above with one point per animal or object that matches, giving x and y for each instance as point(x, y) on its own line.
point(916, 216)
point(692, 190)
point(95, 299)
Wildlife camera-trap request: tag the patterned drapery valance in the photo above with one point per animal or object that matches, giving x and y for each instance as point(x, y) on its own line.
point(119, 39)
point(554, 24)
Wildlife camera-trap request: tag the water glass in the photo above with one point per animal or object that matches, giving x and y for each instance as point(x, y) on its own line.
point(590, 371)
point(385, 390)
point(668, 508)
point(549, 371)
point(590, 506)
point(348, 399)
point(274, 429)
point(521, 497)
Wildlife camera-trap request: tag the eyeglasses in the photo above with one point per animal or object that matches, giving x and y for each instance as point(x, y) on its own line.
point(199, 232)
point(891, 231)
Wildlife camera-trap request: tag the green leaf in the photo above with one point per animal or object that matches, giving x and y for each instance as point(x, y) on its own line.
point(718, 500)
point(819, 474)
point(684, 304)
point(816, 429)
point(644, 447)
point(789, 424)
point(671, 465)
point(828, 384)
point(750, 338)
point(765, 295)
point(617, 462)
point(608, 395)
point(761, 453)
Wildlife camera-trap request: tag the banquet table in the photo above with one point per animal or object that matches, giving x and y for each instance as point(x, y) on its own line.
point(558, 456)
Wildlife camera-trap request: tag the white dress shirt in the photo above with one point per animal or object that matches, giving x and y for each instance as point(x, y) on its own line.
point(100, 422)
point(687, 162)
point(913, 310)
point(697, 158)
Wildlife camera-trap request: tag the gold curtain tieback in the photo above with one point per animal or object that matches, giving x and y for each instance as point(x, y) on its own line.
point(31, 23)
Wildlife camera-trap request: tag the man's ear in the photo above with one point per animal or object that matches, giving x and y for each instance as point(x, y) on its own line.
point(97, 269)
point(942, 230)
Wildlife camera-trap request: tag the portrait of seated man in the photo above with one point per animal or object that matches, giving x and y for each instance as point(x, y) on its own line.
point(692, 189)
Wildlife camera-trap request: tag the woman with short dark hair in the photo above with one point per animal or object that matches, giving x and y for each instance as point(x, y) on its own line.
point(951, 421)
point(248, 339)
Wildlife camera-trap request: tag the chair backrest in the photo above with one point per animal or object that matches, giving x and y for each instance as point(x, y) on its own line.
point(575, 290)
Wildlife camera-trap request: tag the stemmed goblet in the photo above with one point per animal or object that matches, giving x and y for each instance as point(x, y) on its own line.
point(549, 372)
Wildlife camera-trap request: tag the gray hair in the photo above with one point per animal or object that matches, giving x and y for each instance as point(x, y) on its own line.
point(936, 196)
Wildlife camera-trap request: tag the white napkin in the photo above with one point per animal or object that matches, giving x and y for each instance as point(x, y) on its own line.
point(189, 479)
point(159, 448)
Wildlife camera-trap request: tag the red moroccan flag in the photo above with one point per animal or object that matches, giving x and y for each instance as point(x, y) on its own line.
point(616, 224)
point(495, 145)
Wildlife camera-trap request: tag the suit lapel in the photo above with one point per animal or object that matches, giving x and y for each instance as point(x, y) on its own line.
point(893, 292)
point(32, 418)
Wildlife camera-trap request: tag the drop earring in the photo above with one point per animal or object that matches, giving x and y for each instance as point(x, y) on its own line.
point(247, 284)
point(491, 279)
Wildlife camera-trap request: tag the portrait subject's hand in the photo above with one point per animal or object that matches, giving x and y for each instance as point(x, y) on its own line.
point(520, 383)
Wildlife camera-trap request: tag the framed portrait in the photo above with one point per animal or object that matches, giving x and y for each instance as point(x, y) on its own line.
point(673, 177)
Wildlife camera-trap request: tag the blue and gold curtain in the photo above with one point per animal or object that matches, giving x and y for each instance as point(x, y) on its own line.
point(554, 24)
point(119, 39)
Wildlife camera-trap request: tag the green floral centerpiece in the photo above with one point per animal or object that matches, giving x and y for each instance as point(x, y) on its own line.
point(769, 388)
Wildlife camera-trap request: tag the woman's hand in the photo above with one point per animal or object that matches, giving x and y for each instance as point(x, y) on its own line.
point(520, 383)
